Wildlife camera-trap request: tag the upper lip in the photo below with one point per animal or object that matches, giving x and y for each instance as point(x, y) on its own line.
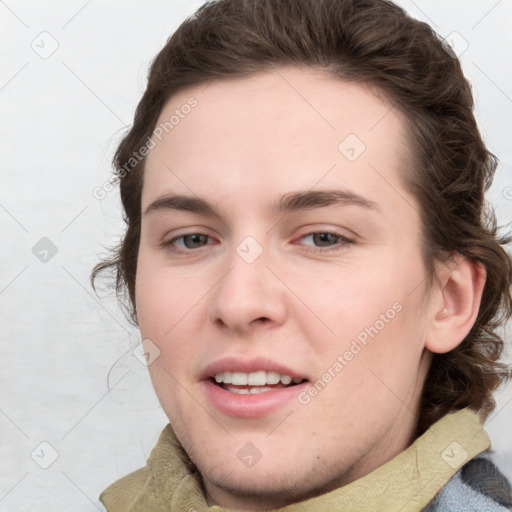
point(235, 364)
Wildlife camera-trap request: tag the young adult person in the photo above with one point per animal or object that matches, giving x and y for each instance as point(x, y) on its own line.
point(312, 266)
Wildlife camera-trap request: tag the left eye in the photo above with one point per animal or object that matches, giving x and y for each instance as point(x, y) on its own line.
point(327, 239)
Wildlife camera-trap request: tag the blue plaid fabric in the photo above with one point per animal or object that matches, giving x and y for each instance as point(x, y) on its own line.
point(478, 486)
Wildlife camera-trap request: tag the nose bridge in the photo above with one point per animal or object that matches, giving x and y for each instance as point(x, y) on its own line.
point(248, 291)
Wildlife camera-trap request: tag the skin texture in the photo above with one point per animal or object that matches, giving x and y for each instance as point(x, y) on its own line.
point(248, 142)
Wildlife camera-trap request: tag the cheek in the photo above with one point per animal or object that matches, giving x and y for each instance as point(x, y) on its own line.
point(376, 327)
point(167, 309)
point(167, 306)
point(164, 297)
point(371, 375)
point(356, 300)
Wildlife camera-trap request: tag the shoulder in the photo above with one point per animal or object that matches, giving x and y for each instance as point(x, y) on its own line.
point(479, 485)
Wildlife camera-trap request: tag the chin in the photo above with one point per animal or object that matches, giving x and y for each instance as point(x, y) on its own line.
point(261, 486)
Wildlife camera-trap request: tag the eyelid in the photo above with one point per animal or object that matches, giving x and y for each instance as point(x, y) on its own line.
point(312, 229)
point(187, 231)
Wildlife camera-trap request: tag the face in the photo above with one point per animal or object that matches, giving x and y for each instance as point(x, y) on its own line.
point(280, 278)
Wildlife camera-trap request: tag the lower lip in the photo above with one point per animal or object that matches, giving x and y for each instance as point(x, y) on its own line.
point(250, 405)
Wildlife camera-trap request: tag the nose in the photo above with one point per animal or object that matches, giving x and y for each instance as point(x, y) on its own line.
point(248, 297)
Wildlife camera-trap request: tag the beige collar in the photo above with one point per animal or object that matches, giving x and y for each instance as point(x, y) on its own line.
point(408, 482)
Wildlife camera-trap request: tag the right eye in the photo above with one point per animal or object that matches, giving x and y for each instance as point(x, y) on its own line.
point(187, 243)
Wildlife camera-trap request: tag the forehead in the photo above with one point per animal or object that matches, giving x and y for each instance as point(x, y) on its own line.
point(274, 130)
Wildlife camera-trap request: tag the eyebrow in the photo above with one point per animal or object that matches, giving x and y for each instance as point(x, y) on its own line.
point(293, 201)
point(306, 200)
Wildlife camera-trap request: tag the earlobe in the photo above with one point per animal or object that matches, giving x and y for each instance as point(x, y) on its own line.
point(455, 309)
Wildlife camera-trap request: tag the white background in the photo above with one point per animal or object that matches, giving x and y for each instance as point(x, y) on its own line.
point(62, 117)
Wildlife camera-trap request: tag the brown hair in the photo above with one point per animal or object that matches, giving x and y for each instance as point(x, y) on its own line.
point(372, 42)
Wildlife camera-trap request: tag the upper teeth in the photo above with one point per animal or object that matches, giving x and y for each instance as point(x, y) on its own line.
point(260, 378)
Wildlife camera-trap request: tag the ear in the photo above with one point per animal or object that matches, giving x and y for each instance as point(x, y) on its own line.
point(454, 304)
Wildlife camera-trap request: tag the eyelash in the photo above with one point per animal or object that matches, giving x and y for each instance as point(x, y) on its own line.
point(342, 244)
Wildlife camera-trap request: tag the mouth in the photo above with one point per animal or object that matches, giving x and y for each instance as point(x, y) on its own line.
point(251, 388)
point(260, 381)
